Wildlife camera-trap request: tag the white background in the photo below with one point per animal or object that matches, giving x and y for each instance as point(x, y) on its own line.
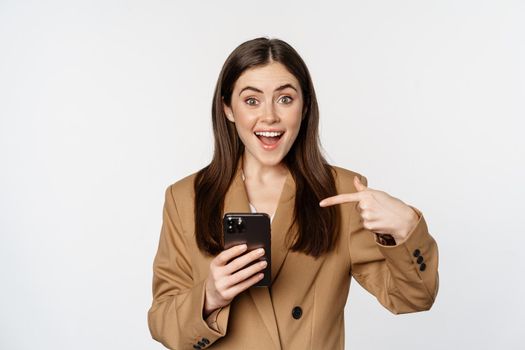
point(103, 104)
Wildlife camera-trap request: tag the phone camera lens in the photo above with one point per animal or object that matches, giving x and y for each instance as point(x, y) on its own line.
point(240, 224)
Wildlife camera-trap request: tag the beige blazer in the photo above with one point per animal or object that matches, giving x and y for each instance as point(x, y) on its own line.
point(304, 307)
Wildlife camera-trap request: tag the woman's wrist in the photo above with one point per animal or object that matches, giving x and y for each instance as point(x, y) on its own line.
point(207, 308)
point(206, 313)
point(412, 218)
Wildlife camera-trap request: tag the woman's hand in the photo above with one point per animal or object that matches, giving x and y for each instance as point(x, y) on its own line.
point(381, 213)
point(226, 280)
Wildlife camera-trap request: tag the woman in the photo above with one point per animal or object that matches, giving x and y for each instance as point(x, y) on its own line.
point(327, 225)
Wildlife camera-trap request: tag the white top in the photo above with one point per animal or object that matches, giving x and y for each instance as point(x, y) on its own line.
point(252, 208)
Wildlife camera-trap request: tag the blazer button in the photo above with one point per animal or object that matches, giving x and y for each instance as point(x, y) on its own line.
point(422, 267)
point(297, 312)
point(205, 341)
point(419, 259)
point(417, 252)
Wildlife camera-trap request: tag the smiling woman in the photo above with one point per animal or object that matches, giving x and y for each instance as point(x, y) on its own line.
point(327, 225)
point(272, 112)
point(258, 91)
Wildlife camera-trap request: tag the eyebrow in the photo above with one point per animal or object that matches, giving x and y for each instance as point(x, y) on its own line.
point(282, 87)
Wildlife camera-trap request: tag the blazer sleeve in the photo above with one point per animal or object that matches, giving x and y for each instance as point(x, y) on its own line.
point(175, 316)
point(404, 277)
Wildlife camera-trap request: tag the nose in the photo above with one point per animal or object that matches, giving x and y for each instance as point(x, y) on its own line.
point(270, 114)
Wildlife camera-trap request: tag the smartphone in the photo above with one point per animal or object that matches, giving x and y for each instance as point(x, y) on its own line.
point(254, 230)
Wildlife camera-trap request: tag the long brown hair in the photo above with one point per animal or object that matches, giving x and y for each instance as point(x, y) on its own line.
point(317, 227)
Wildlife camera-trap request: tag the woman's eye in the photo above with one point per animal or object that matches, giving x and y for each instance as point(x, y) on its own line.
point(287, 99)
point(250, 100)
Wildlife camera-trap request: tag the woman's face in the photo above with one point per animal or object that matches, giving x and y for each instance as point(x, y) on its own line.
point(266, 107)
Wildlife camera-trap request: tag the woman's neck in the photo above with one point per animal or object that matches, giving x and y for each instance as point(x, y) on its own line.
point(259, 173)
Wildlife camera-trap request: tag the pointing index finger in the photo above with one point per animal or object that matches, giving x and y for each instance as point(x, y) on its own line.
point(341, 198)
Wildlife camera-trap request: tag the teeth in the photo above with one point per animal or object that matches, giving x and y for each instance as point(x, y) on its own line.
point(269, 133)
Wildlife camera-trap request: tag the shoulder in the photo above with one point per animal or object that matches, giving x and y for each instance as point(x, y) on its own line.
point(344, 178)
point(179, 198)
point(182, 189)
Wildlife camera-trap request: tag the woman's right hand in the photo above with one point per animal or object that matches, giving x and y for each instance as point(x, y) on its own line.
point(226, 280)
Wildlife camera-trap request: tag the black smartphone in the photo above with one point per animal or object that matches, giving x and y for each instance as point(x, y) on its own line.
point(254, 230)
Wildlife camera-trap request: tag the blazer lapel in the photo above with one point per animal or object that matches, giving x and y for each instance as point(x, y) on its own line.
point(282, 225)
point(236, 200)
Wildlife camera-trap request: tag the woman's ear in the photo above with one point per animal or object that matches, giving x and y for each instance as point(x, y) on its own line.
point(227, 111)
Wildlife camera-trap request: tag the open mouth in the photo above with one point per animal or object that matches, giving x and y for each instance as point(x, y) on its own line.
point(269, 138)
